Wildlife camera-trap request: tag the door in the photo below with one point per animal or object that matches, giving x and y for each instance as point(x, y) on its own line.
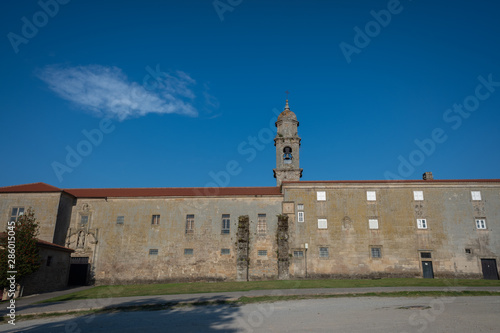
point(489, 269)
point(78, 274)
point(427, 268)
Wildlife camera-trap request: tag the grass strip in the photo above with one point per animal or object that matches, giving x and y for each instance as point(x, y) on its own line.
point(213, 287)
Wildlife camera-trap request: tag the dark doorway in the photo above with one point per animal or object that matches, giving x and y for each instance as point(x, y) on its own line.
point(427, 268)
point(78, 271)
point(490, 271)
point(78, 274)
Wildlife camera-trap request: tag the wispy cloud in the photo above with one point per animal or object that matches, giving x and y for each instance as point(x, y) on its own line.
point(107, 91)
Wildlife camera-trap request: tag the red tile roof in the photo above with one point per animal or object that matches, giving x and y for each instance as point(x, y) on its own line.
point(34, 187)
point(172, 192)
point(394, 181)
point(45, 244)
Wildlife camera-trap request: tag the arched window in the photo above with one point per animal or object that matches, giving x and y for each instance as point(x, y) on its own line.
point(287, 155)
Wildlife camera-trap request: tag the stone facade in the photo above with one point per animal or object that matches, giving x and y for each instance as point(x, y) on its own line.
point(299, 229)
point(449, 237)
point(53, 272)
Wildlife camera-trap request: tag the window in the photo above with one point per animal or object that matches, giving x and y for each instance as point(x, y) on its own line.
point(153, 252)
point(371, 195)
point(322, 224)
point(262, 253)
point(422, 223)
point(373, 223)
point(468, 251)
point(225, 223)
point(49, 260)
point(300, 216)
point(188, 252)
point(261, 224)
point(84, 220)
point(321, 195)
point(300, 213)
point(425, 255)
point(16, 212)
point(155, 219)
point(225, 251)
point(418, 195)
point(376, 252)
point(480, 223)
point(120, 219)
point(476, 195)
point(189, 224)
point(298, 254)
point(323, 252)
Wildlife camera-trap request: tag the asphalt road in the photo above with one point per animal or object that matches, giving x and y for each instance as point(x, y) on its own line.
point(363, 314)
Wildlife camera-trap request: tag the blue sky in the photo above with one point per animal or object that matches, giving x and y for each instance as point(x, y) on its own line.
point(172, 93)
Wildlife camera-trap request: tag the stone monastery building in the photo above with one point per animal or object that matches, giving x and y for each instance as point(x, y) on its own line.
point(298, 229)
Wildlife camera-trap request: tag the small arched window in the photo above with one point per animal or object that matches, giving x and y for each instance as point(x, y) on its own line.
point(287, 155)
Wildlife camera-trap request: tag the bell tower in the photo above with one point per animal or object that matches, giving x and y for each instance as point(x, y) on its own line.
point(287, 144)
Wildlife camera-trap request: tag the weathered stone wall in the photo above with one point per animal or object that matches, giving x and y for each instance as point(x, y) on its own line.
point(283, 248)
point(448, 208)
point(48, 278)
point(242, 248)
point(46, 207)
point(121, 254)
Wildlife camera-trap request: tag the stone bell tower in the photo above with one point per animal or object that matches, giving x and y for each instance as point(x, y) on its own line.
point(287, 144)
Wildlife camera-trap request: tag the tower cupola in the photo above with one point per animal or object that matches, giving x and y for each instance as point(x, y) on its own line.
point(287, 142)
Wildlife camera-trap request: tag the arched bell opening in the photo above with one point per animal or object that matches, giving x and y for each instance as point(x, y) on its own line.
point(287, 155)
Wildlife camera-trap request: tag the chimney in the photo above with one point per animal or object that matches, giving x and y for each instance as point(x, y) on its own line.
point(427, 176)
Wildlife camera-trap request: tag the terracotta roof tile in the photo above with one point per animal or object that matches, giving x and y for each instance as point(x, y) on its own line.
point(172, 192)
point(394, 181)
point(33, 187)
point(45, 244)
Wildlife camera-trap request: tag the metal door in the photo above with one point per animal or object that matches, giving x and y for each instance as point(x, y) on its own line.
point(427, 268)
point(490, 271)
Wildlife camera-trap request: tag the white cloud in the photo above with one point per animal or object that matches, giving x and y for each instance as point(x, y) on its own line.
point(107, 92)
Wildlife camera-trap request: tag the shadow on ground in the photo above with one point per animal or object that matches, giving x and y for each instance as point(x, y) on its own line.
point(144, 317)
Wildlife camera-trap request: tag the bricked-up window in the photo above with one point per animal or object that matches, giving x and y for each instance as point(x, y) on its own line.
point(261, 224)
point(120, 219)
point(422, 223)
point(226, 221)
point(298, 254)
point(476, 195)
point(376, 252)
point(188, 252)
point(84, 220)
point(371, 195)
point(15, 213)
point(425, 255)
point(322, 224)
point(225, 251)
point(321, 195)
point(155, 219)
point(189, 223)
point(262, 253)
point(373, 223)
point(323, 252)
point(481, 223)
point(418, 195)
point(153, 252)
